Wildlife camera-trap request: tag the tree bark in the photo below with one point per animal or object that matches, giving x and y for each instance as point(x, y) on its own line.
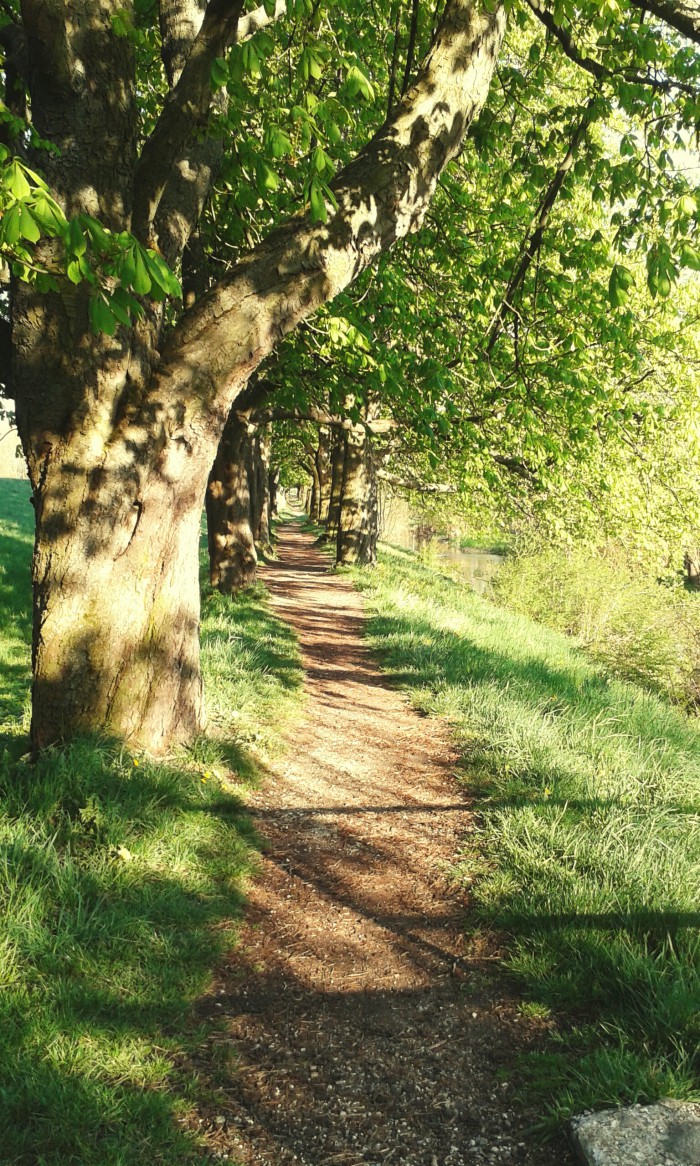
point(323, 469)
point(359, 515)
point(273, 482)
point(120, 447)
point(232, 556)
point(336, 485)
point(314, 494)
point(259, 474)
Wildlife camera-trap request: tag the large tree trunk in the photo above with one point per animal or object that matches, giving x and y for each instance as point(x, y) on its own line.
point(116, 596)
point(232, 556)
point(120, 434)
point(357, 533)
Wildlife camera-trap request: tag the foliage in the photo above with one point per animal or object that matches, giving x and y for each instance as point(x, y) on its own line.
point(638, 627)
point(586, 850)
point(123, 882)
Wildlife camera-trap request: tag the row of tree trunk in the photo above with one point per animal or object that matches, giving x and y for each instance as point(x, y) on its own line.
point(344, 498)
point(240, 502)
point(242, 488)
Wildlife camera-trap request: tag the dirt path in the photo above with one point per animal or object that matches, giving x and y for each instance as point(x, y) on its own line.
point(361, 1031)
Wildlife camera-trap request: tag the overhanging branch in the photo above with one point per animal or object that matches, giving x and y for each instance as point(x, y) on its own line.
point(322, 417)
point(596, 68)
point(534, 242)
point(382, 195)
point(408, 483)
point(683, 15)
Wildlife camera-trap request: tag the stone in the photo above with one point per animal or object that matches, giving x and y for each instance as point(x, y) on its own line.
point(664, 1134)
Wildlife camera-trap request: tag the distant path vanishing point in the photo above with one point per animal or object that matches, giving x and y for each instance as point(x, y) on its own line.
point(361, 1030)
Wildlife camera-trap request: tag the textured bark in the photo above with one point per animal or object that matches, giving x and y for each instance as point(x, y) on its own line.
point(232, 556)
point(273, 483)
point(120, 447)
point(683, 15)
point(359, 513)
point(336, 488)
point(260, 512)
point(323, 469)
point(314, 496)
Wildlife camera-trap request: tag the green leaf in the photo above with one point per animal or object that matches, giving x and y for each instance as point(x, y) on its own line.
point(161, 274)
point(141, 282)
point(102, 319)
point(76, 239)
point(219, 72)
point(690, 256)
point(618, 288)
point(10, 226)
point(266, 178)
point(127, 267)
point(28, 226)
point(687, 205)
point(319, 214)
point(16, 182)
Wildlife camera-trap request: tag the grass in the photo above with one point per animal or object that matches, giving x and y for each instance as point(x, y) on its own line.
point(586, 856)
point(638, 628)
point(490, 545)
point(122, 883)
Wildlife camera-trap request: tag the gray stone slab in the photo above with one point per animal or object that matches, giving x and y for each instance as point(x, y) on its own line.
point(665, 1134)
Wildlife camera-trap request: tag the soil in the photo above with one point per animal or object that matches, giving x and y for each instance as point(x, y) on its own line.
point(363, 1028)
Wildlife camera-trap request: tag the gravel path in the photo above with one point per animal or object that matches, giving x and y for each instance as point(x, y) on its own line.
point(362, 1030)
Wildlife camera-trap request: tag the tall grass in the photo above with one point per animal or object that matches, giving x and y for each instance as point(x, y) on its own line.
point(586, 856)
point(121, 883)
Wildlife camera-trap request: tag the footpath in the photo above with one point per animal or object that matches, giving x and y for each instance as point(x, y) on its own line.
point(361, 1028)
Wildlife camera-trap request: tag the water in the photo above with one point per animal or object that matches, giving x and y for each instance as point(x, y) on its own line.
point(477, 567)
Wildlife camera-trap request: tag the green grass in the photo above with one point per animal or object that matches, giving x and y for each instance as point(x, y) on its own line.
point(121, 885)
point(486, 543)
point(586, 856)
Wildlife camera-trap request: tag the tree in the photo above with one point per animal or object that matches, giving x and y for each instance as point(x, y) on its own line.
point(119, 450)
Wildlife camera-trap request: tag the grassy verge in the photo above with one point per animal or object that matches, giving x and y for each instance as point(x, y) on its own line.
point(122, 882)
point(587, 853)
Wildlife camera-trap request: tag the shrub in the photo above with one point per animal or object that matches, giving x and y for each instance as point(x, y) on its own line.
point(640, 629)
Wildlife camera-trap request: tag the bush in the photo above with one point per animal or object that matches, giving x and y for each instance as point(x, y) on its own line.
point(640, 629)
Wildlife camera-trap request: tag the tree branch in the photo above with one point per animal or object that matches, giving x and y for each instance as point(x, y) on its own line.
point(515, 466)
point(322, 417)
point(180, 188)
point(185, 110)
point(416, 484)
point(683, 15)
point(567, 42)
point(535, 240)
point(249, 24)
point(597, 68)
point(382, 195)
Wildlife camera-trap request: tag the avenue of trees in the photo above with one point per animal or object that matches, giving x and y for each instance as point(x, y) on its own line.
point(451, 247)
